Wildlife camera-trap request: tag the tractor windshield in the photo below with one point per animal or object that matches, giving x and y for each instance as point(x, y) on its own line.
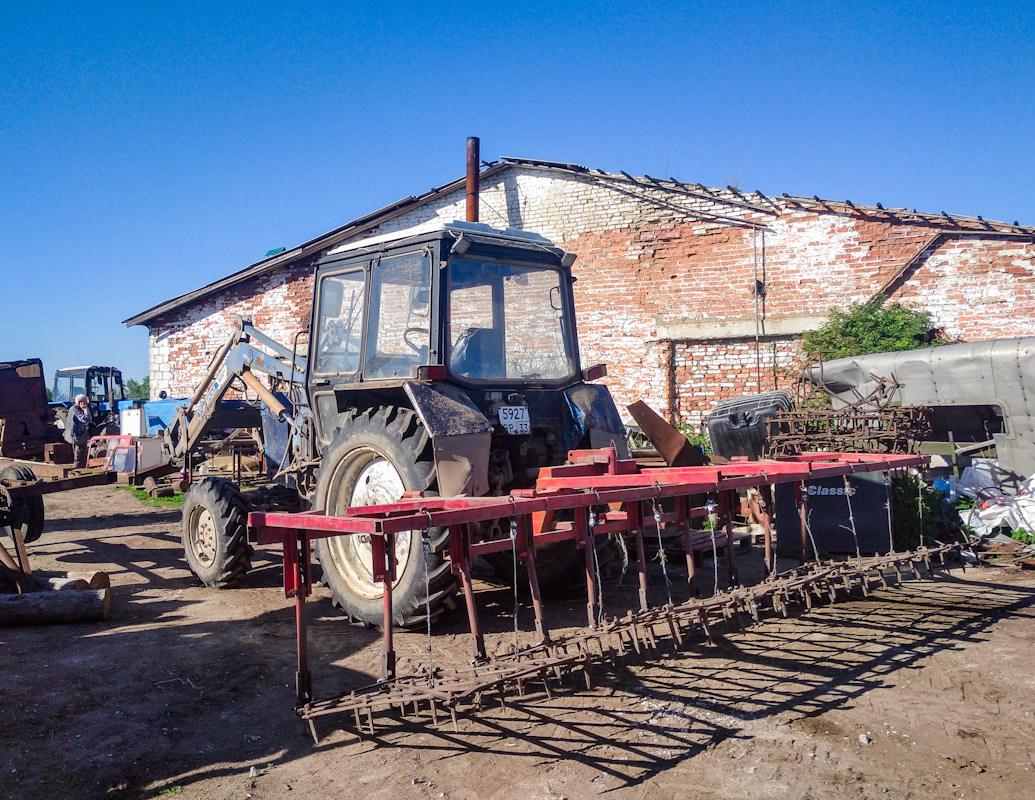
point(68, 384)
point(508, 322)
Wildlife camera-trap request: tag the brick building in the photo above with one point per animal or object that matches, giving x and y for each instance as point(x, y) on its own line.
point(667, 277)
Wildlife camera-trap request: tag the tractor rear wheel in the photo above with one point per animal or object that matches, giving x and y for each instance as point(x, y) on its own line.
point(31, 508)
point(215, 519)
point(376, 456)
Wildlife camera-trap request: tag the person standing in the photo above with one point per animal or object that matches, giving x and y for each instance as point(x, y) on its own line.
point(77, 430)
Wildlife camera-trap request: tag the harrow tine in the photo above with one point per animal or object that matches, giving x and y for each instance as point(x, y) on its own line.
point(641, 557)
point(592, 609)
point(725, 511)
point(703, 620)
point(673, 625)
point(634, 639)
point(566, 654)
point(533, 580)
point(683, 525)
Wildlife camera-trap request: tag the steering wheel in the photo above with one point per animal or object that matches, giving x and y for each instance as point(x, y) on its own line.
point(333, 334)
point(418, 347)
point(336, 336)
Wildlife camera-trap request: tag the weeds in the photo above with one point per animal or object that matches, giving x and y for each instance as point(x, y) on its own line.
point(176, 501)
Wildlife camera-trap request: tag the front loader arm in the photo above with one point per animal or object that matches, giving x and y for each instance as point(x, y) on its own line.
point(236, 358)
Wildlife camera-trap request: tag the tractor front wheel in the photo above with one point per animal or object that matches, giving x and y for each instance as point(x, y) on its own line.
point(215, 519)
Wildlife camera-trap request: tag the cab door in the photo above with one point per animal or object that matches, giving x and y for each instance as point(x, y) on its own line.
point(336, 348)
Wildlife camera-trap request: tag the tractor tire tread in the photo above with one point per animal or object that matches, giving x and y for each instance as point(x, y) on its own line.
point(230, 513)
point(34, 530)
point(402, 426)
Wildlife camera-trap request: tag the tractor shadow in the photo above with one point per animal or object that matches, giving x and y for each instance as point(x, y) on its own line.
point(648, 713)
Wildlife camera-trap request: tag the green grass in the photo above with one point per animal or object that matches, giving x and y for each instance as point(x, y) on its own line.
point(176, 501)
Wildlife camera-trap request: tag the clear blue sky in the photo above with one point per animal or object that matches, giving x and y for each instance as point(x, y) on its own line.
point(145, 153)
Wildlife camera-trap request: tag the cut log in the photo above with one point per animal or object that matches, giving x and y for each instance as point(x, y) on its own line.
point(94, 580)
point(61, 584)
point(55, 579)
point(48, 608)
point(152, 487)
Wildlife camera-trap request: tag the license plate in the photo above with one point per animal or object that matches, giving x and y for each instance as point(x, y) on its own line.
point(514, 419)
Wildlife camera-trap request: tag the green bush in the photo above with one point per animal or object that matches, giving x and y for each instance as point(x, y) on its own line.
point(1023, 536)
point(870, 327)
point(141, 390)
point(920, 514)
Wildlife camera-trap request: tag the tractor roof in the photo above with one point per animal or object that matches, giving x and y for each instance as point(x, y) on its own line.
point(454, 226)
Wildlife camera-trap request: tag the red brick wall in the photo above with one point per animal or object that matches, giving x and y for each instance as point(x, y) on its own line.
point(632, 282)
point(665, 294)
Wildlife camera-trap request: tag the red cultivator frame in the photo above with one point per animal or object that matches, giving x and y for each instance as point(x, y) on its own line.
point(595, 493)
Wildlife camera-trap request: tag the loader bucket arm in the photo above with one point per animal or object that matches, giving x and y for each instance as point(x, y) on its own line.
point(236, 358)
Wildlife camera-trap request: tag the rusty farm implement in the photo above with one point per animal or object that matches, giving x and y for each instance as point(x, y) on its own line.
point(593, 495)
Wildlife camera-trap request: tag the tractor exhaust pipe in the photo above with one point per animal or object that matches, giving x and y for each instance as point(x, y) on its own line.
point(473, 160)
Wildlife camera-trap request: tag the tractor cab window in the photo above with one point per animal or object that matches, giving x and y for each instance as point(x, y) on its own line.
point(68, 385)
point(114, 378)
point(507, 322)
point(63, 389)
point(399, 327)
point(340, 324)
point(98, 387)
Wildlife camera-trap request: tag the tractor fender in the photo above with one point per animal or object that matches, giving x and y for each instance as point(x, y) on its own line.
point(593, 409)
point(461, 437)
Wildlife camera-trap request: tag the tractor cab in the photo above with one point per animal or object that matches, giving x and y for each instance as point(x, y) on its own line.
point(102, 385)
point(471, 327)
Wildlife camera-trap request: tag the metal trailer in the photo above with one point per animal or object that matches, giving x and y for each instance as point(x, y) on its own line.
point(22, 515)
point(596, 492)
point(27, 428)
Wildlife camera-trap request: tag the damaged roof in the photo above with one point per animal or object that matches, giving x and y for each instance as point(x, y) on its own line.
point(730, 196)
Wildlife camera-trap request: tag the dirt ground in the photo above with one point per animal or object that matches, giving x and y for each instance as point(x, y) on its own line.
point(921, 691)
